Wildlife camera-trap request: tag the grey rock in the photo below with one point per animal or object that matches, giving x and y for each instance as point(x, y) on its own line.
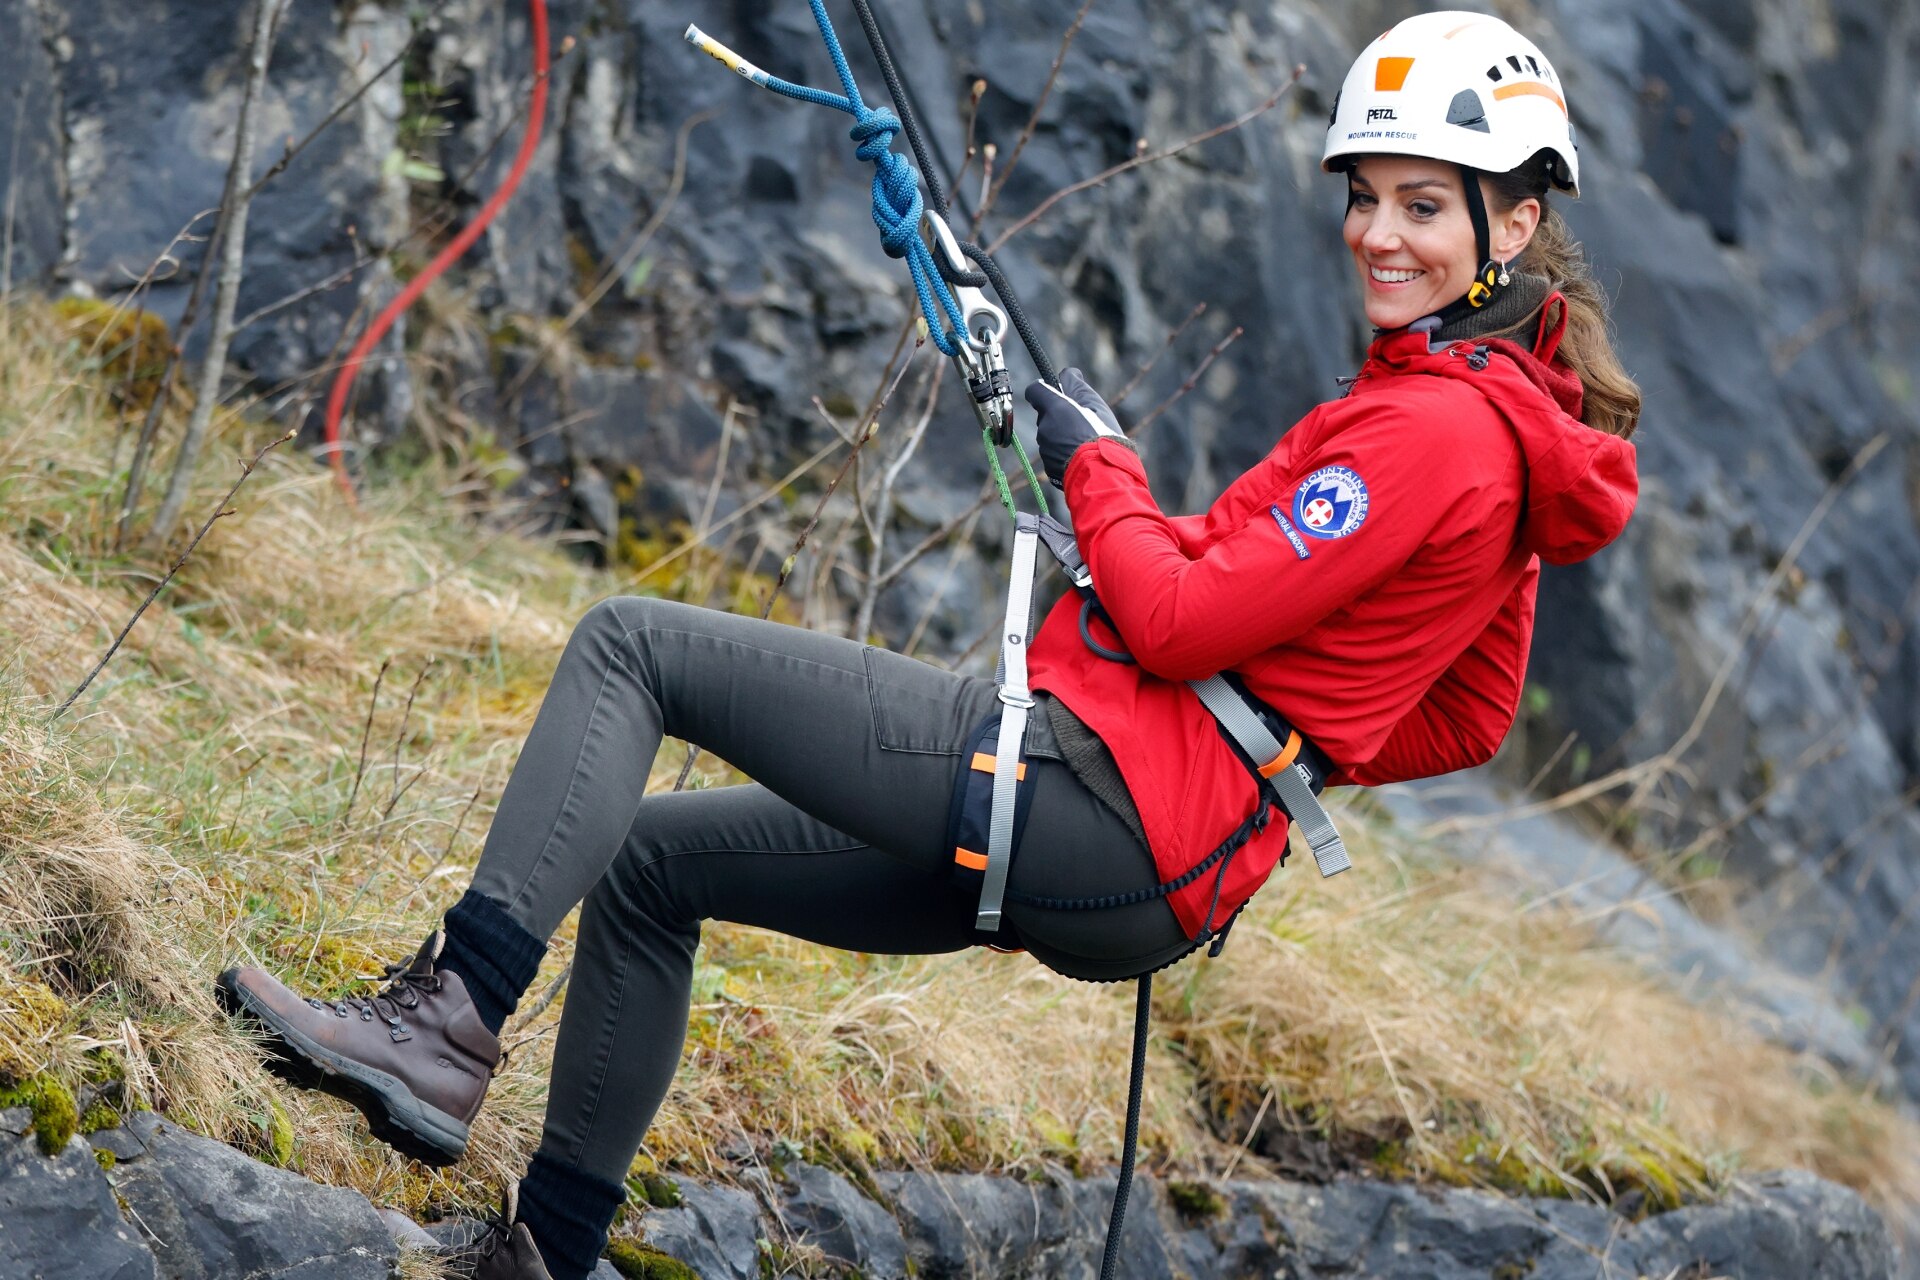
point(406, 1233)
point(33, 171)
point(58, 1219)
point(715, 1230)
point(214, 1214)
point(823, 1209)
point(1789, 1226)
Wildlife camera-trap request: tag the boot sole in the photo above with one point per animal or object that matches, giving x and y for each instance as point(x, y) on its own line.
point(394, 1114)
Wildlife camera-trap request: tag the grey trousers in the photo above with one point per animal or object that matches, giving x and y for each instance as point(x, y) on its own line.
point(841, 839)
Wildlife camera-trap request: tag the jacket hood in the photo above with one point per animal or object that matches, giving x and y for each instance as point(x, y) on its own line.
point(1581, 483)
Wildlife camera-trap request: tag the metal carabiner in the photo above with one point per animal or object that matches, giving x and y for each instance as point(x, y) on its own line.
point(981, 359)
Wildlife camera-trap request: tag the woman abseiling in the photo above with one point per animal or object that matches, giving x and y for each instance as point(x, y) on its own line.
point(1371, 581)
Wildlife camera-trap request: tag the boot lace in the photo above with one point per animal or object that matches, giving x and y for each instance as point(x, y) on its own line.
point(402, 994)
point(463, 1261)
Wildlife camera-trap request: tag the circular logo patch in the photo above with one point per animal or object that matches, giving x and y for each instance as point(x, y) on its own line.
point(1330, 503)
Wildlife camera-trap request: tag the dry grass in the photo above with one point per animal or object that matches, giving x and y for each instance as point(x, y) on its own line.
point(208, 802)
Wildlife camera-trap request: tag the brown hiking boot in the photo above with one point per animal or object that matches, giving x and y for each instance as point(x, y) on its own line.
point(414, 1057)
point(505, 1251)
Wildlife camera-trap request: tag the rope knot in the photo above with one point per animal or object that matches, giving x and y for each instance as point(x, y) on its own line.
point(874, 122)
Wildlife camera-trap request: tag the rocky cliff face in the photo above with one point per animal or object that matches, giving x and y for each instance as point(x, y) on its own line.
point(151, 1201)
point(1753, 173)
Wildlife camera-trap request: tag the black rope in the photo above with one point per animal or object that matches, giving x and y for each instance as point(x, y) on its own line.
point(1255, 822)
point(1136, 1085)
point(952, 272)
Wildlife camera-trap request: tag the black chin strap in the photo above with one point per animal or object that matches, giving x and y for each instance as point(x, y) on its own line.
point(1487, 282)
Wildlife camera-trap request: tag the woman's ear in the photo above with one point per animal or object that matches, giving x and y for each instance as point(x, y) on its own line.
point(1513, 230)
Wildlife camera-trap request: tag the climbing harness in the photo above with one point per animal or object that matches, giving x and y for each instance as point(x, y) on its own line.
point(992, 792)
point(529, 143)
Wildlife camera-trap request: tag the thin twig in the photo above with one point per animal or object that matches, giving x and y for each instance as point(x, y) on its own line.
point(1149, 157)
point(867, 432)
point(1039, 105)
point(1648, 773)
point(893, 571)
point(882, 521)
point(1193, 380)
point(343, 276)
point(366, 735)
point(234, 209)
point(163, 396)
point(946, 579)
point(1173, 336)
point(400, 735)
point(546, 999)
point(222, 509)
point(768, 493)
point(293, 149)
point(719, 470)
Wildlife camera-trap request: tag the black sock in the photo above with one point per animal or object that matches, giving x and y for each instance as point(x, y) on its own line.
point(495, 958)
point(568, 1213)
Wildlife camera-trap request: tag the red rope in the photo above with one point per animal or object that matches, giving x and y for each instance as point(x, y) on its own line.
point(343, 385)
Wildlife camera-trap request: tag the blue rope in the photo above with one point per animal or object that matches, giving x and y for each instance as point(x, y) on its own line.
point(897, 203)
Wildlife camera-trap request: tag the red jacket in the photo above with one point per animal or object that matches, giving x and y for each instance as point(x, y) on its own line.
point(1372, 579)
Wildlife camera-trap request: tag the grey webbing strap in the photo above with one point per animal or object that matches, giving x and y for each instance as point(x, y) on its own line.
point(1018, 701)
point(1290, 784)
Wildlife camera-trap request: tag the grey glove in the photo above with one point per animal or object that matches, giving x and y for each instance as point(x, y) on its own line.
point(1069, 417)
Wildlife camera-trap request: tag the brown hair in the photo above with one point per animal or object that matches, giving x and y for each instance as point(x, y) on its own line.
point(1611, 400)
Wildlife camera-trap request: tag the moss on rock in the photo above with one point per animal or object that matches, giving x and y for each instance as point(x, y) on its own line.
point(55, 1116)
point(637, 1261)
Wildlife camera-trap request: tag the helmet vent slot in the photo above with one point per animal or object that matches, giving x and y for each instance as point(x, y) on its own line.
point(1515, 63)
point(1468, 112)
point(1493, 73)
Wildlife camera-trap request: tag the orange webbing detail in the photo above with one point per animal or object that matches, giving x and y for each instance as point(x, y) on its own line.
point(983, 763)
point(970, 860)
point(1531, 88)
point(1288, 754)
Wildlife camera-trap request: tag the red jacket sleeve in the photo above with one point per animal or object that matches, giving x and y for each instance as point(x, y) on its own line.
point(1466, 714)
point(1185, 617)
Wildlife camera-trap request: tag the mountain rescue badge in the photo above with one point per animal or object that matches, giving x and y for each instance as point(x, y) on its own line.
point(1330, 503)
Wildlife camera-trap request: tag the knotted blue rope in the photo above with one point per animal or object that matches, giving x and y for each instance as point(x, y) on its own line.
point(897, 203)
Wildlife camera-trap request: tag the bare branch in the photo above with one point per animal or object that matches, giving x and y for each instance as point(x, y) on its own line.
point(787, 566)
point(1040, 104)
point(149, 428)
point(1193, 380)
point(222, 509)
point(400, 735)
point(1149, 157)
point(946, 578)
point(1173, 336)
point(234, 209)
point(883, 505)
point(366, 734)
point(719, 470)
point(892, 573)
point(293, 149)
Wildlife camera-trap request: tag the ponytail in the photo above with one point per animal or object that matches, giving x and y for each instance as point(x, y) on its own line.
point(1611, 399)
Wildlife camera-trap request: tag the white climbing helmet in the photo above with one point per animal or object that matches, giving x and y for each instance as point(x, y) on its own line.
point(1456, 86)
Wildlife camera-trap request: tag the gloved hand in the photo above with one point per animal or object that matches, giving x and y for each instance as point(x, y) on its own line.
point(1069, 418)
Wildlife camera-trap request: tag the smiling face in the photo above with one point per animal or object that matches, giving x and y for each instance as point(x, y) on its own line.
point(1411, 236)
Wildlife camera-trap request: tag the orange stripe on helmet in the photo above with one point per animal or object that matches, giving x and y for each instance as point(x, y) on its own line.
point(1530, 88)
point(1389, 74)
